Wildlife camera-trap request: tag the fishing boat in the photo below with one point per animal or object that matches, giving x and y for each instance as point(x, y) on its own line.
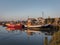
point(31, 26)
point(43, 28)
point(12, 26)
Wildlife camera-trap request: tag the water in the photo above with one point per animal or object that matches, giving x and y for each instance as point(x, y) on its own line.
point(21, 37)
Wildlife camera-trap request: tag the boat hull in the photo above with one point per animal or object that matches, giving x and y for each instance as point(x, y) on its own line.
point(45, 28)
point(33, 27)
point(36, 26)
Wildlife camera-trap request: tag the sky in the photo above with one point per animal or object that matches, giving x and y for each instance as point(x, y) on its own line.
point(21, 9)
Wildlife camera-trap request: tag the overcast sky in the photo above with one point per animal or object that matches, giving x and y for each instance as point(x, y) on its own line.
point(21, 9)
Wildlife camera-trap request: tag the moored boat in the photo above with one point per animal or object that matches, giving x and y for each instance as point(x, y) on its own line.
point(44, 28)
point(12, 26)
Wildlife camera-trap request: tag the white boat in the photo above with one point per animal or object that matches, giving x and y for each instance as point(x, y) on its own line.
point(37, 27)
point(33, 27)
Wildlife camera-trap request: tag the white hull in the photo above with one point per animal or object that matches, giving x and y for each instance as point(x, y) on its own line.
point(33, 26)
point(36, 25)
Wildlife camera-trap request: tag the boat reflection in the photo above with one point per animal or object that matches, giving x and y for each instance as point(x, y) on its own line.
point(13, 29)
point(29, 31)
point(32, 32)
point(8, 29)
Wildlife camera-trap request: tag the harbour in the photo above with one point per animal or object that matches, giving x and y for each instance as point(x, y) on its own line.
point(29, 22)
point(29, 33)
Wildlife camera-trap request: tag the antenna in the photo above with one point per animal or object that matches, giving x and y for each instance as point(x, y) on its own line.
point(28, 16)
point(42, 14)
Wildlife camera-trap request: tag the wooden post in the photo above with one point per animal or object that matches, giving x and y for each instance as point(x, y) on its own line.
point(46, 41)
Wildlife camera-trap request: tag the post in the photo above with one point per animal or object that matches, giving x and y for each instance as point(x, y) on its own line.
point(46, 41)
point(42, 14)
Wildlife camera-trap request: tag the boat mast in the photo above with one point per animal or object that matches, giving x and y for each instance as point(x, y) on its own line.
point(42, 14)
point(28, 17)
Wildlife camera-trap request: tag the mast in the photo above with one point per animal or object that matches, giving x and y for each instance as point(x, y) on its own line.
point(28, 17)
point(42, 14)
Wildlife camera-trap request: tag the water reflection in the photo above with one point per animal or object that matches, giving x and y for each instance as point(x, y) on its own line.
point(21, 37)
point(29, 33)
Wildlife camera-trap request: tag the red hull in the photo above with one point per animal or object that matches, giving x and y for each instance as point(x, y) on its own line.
point(18, 27)
point(14, 27)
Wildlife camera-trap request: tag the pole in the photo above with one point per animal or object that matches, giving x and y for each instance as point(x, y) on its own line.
point(42, 14)
point(46, 41)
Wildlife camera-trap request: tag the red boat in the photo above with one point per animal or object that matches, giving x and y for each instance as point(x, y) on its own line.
point(14, 26)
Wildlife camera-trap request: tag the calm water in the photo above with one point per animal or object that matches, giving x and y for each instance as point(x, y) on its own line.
point(21, 37)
